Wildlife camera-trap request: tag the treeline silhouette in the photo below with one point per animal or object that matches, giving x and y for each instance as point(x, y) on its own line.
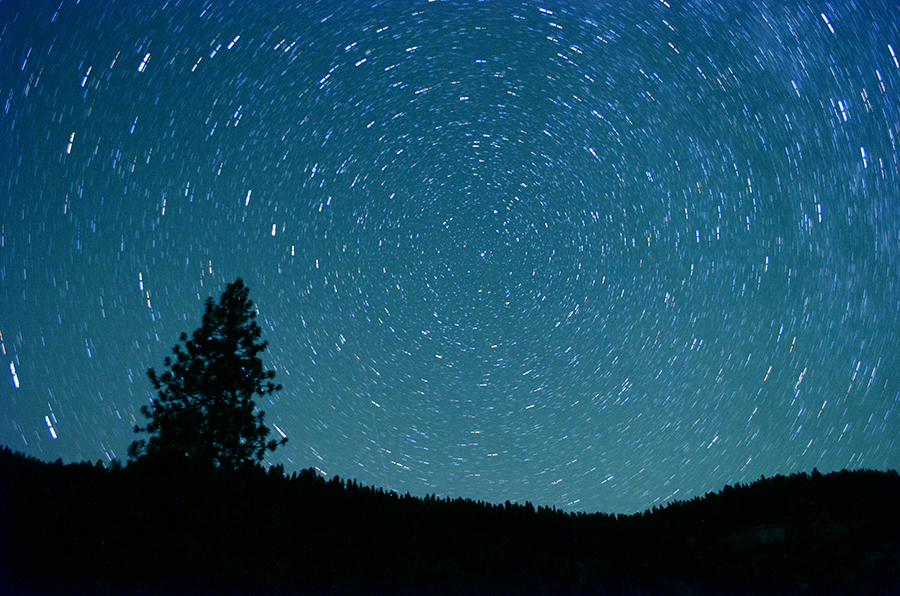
point(162, 525)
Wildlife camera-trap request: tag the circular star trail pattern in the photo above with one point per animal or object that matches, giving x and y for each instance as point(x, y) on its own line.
point(593, 255)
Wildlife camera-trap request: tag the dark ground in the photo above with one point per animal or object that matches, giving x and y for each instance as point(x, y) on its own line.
point(165, 526)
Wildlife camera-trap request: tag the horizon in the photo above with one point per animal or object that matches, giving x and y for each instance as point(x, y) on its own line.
point(345, 482)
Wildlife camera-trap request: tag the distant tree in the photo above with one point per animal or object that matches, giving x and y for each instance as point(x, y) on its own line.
point(204, 408)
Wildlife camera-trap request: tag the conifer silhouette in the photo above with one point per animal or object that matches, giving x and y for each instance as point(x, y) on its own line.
point(204, 408)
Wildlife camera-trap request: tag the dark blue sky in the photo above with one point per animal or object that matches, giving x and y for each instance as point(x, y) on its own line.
point(595, 255)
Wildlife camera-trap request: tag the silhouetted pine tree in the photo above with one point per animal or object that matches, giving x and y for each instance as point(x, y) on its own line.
point(204, 408)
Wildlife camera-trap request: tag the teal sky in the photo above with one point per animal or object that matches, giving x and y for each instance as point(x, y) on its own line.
point(593, 255)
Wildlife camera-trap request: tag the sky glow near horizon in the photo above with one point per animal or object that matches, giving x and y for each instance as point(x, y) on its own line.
point(593, 255)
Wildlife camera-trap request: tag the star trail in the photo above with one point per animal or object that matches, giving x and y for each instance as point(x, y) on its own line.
point(593, 255)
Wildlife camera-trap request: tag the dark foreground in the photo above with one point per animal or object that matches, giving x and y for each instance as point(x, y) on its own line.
point(164, 527)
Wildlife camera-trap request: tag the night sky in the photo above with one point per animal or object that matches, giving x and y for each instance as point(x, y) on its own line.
point(593, 255)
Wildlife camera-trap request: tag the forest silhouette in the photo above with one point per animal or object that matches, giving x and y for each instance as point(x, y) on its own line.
point(165, 525)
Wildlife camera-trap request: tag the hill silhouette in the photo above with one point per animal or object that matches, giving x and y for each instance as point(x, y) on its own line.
point(163, 525)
